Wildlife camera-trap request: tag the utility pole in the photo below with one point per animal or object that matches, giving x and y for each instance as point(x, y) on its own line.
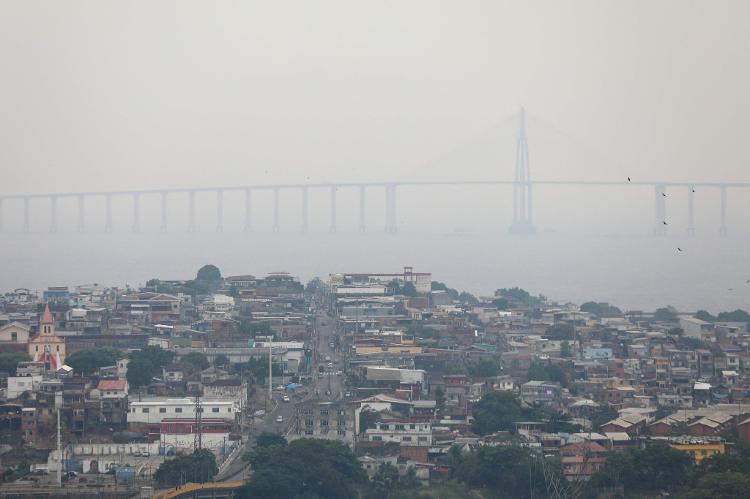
point(198, 439)
point(59, 452)
point(270, 371)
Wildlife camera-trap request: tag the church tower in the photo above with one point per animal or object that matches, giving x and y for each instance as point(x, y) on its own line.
point(46, 346)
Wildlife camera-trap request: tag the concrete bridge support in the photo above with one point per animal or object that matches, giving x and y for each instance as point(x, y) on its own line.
point(163, 224)
point(219, 211)
point(362, 206)
point(248, 211)
point(660, 209)
point(108, 213)
point(333, 208)
point(26, 222)
point(136, 212)
point(723, 225)
point(191, 211)
point(391, 226)
point(691, 214)
point(53, 214)
point(276, 210)
point(305, 208)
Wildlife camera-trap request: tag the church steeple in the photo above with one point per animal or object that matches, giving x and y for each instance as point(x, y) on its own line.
point(47, 315)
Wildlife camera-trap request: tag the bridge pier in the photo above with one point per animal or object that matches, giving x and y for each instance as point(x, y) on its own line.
point(26, 223)
point(81, 213)
point(275, 227)
point(362, 202)
point(333, 208)
point(219, 211)
point(53, 214)
point(163, 224)
point(108, 213)
point(691, 215)
point(191, 211)
point(248, 211)
point(723, 225)
point(305, 209)
point(136, 212)
point(660, 209)
point(391, 227)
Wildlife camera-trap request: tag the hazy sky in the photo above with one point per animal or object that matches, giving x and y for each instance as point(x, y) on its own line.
point(106, 95)
point(102, 95)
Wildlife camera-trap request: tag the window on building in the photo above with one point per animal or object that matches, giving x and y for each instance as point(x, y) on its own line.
point(323, 422)
point(144, 410)
point(377, 438)
point(324, 412)
point(215, 409)
point(309, 422)
point(406, 439)
point(342, 432)
point(412, 426)
point(13, 336)
point(399, 427)
point(422, 439)
point(178, 409)
point(308, 432)
point(162, 410)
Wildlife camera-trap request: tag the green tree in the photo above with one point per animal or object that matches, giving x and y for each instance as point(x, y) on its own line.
point(195, 361)
point(483, 368)
point(543, 371)
point(439, 286)
point(9, 361)
point(600, 309)
point(388, 484)
point(726, 485)
point(665, 314)
point(145, 364)
point(305, 468)
point(367, 419)
point(409, 290)
point(704, 316)
point(565, 350)
point(560, 331)
point(221, 360)
point(198, 467)
point(88, 361)
point(208, 273)
point(508, 471)
point(267, 439)
point(140, 372)
point(602, 414)
point(440, 398)
point(496, 411)
point(255, 328)
point(467, 298)
point(735, 316)
point(501, 303)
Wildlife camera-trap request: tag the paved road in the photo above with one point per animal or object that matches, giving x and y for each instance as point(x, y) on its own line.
point(329, 386)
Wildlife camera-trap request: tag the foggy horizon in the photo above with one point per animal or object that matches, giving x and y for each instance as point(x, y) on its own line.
point(118, 97)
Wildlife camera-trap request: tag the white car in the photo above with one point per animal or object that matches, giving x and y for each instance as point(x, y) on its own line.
point(279, 419)
point(285, 398)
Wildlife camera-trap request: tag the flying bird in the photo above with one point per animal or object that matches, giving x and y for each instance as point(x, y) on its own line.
point(628, 179)
point(693, 190)
point(663, 194)
point(679, 249)
point(664, 222)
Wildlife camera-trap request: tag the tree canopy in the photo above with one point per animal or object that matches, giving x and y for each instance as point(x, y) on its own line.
point(198, 467)
point(704, 316)
point(496, 411)
point(305, 468)
point(738, 315)
point(665, 314)
point(208, 273)
point(88, 361)
point(560, 331)
point(505, 470)
point(195, 361)
point(146, 364)
point(9, 361)
point(600, 309)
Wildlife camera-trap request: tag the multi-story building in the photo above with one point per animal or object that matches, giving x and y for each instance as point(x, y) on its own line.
point(325, 420)
point(404, 432)
point(152, 411)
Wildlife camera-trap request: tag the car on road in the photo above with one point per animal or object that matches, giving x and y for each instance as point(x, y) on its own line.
point(285, 398)
point(347, 394)
point(279, 419)
point(339, 373)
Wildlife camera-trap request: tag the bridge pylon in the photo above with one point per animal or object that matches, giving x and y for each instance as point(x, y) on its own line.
point(523, 220)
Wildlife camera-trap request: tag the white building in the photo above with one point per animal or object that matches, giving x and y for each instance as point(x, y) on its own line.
point(406, 433)
point(154, 410)
point(19, 384)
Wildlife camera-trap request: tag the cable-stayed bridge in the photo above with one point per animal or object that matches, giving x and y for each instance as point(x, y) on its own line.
point(521, 222)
